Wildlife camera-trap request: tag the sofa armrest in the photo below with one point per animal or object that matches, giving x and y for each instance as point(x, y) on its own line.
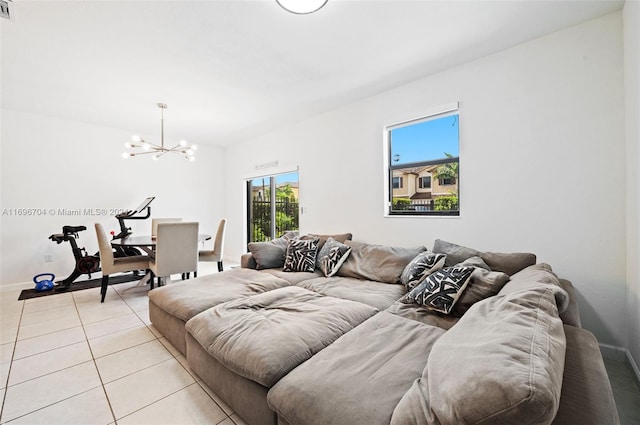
point(571, 315)
point(247, 261)
point(587, 397)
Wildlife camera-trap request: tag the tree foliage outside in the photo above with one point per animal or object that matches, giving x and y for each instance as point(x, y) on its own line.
point(401, 204)
point(446, 203)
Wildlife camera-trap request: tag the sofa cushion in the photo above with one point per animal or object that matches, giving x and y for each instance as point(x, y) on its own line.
point(441, 290)
point(538, 275)
point(265, 336)
point(422, 315)
point(331, 257)
point(420, 267)
point(301, 255)
point(376, 294)
point(508, 263)
point(502, 363)
point(359, 379)
point(270, 254)
point(188, 298)
point(377, 262)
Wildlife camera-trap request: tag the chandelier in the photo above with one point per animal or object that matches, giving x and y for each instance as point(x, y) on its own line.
point(301, 7)
point(143, 147)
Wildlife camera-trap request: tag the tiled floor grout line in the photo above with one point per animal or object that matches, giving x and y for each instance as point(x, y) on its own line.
point(13, 353)
point(95, 365)
point(196, 382)
point(142, 315)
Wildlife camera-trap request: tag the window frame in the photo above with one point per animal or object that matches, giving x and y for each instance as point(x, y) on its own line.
point(435, 113)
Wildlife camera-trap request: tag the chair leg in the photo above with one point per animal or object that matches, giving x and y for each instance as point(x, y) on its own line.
point(151, 278)
point(103, 288)
point(220, 266)
point(195, 274)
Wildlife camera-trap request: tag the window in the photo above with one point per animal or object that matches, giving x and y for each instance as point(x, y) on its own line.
point(424, 182)
point(272, 206)
point(446, 181)
point(426, 152)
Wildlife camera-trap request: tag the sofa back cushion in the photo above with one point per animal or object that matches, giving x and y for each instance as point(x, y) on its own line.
point(340, 237)
point(502, 363)
point(509, 263)
point(377, 262)
point(534, 276)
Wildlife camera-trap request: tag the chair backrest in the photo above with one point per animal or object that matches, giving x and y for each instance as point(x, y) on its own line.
point(176, 248)
point(218, 245)
point(104, 246)
point(155, 221)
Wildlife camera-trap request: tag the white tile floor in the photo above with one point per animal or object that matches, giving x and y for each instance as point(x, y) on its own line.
point(68, 359)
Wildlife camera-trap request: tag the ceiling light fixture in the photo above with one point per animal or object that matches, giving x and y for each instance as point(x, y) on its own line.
point(182, 148)
point(301, 7)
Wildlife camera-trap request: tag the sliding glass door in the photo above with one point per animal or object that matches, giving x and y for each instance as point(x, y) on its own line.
point(272, 204)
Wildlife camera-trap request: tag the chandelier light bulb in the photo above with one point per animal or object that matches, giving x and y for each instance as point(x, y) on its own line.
point(194, 147)
point(183, 142)
point(156, 157)
point(146, 146)
point(136, 139)
point(128, 145)
point(126, 155)
point(189, 152)
point(192, 158)
point(301, 7)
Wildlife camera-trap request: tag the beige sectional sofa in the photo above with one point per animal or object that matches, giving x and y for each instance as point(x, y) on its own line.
point(300, 348)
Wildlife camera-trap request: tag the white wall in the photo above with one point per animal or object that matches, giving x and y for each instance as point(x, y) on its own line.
point(542, 163)
point(53, 164)
point(631, 16)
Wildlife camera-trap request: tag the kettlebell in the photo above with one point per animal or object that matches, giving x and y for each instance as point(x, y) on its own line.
point(46, 282)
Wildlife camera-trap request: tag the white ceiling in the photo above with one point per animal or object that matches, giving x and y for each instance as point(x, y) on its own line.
point(232, 69)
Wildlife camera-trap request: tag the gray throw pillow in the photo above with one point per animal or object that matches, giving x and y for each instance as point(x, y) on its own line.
point(440, 290)
point(455, 253)
point(270, 254)
point(483, 284)
point(332, 255)
point(420, 267)
point(301, 255)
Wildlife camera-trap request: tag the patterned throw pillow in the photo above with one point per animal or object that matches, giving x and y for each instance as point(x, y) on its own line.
point(332, 255)
point(420, 267)
point(301, 255)
point(440, 290)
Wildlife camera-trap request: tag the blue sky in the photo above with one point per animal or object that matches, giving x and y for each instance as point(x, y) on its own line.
point(426, 140)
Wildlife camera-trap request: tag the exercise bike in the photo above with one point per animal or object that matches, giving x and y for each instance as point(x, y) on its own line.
point(85, 264)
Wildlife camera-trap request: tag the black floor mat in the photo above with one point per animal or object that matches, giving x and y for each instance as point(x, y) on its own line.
point(78, 286)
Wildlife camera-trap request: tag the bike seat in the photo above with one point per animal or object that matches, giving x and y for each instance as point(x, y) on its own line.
point(73, 229)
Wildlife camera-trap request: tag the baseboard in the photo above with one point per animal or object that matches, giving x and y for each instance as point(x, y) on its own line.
point(621, 354)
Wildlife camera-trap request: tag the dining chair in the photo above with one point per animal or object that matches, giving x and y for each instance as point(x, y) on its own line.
point(111, 264)
point(176, 250)
point(218, 247)
point(155, 221)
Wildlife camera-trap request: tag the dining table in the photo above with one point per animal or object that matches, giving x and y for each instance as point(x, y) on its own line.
point(147, 243)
